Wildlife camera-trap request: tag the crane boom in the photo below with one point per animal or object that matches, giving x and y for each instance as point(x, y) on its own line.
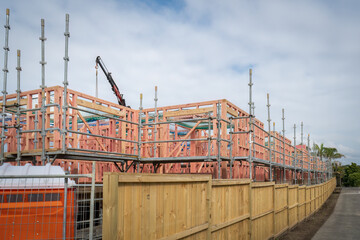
point(114, 87)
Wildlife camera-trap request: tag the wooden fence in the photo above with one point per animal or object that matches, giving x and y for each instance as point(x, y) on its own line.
point(153, 206)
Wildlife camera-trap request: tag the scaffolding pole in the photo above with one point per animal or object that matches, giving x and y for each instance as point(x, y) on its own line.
point(218, 138)
point(250, 124)
point(309, 166)
point(43, 97)
point(302, 153)
point(139, 130)
point(269, 137)
point(283, 124)
point(316, 168)
point(231, 149)
point(18, 114)
point(209, 137)
point(295, 155)
point(4, 92)
point(274, 150)
point(66, 83)
point(155, 120)
point(92, 200)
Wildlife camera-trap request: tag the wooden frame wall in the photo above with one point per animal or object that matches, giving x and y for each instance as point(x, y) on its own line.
point(109, 127)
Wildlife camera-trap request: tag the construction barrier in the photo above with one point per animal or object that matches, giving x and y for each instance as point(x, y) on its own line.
point(171, 206)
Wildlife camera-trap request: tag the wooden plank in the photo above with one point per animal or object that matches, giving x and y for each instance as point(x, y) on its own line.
point(145, 212)
point(251, 233)
point(274, 219)
point(123, 136)
point(100, 108)
point(152, 178)
point(110, 218)
point(23, 101)
point(262, 214)
point(38, 150)
point(229, 182)
point(121, 206)
point(153, 209)
point(187, 112)
point(208, 207)
point(180, 207)
point(160, 202)
point(219, 226)
point(186, 233)
point(281, 209)
point(135, 226)
point(167, 210)
point(172, 202)
point(128, 203)
point(180, 144)
point(232, 112)
point(262, 184)
point(88, 127)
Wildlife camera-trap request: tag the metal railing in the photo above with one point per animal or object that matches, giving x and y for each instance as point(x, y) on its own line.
point(50, 207)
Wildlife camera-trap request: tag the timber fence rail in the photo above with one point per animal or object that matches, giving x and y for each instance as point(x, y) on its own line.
point(171, 206)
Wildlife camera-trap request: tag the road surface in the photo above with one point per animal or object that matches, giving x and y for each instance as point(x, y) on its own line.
point(344, 222)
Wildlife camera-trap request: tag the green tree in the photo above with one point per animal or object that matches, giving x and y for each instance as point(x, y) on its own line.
point(354, 179)
point(319, 150)
point(352, 171)
point(328, 153)
point(332, 153)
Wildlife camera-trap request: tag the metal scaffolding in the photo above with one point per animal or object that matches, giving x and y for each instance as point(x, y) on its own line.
point(209, 137)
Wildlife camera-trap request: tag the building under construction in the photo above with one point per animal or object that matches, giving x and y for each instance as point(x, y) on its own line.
point(88, 136)
point(69, 128)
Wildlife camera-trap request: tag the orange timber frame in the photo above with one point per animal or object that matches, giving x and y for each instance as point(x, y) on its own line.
point(205, 137)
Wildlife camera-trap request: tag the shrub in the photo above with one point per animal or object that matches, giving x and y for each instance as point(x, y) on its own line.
point(354, 179)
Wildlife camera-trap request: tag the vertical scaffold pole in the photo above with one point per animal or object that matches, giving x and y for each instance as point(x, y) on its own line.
point(295, 155)
point(302, 153)
point(4, 92)
point(155, 121)
point(283, 123)
point(66, 83)
point(36, 121)
point(274, 139)
point(209, 136)
point(92, 201)
point(43, 98)
point(269, 138)
point(97, 80)
point(231, 149)
point(18, 91)
point(309, 158)
point(316, 168)
point(218, 116)
point(139, 131)
point(66, 181)
point(250, 124)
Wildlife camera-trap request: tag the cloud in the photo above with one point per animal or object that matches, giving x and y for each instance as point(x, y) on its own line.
point(304, 53)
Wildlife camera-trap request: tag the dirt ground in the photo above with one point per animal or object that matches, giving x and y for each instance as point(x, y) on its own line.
point(307, 228)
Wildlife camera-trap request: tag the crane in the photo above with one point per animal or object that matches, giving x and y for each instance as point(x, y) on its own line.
point(114, 87)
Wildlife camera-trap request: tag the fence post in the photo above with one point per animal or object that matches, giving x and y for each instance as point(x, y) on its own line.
point(250, 210)
point(298, 203)
point(287, 203)
point(92, 199)
point(65, 206)
point(274, 209)
point(110, 199)
point(209, 209)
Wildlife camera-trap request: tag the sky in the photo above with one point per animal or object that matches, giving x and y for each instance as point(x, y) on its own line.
point(305, 54)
